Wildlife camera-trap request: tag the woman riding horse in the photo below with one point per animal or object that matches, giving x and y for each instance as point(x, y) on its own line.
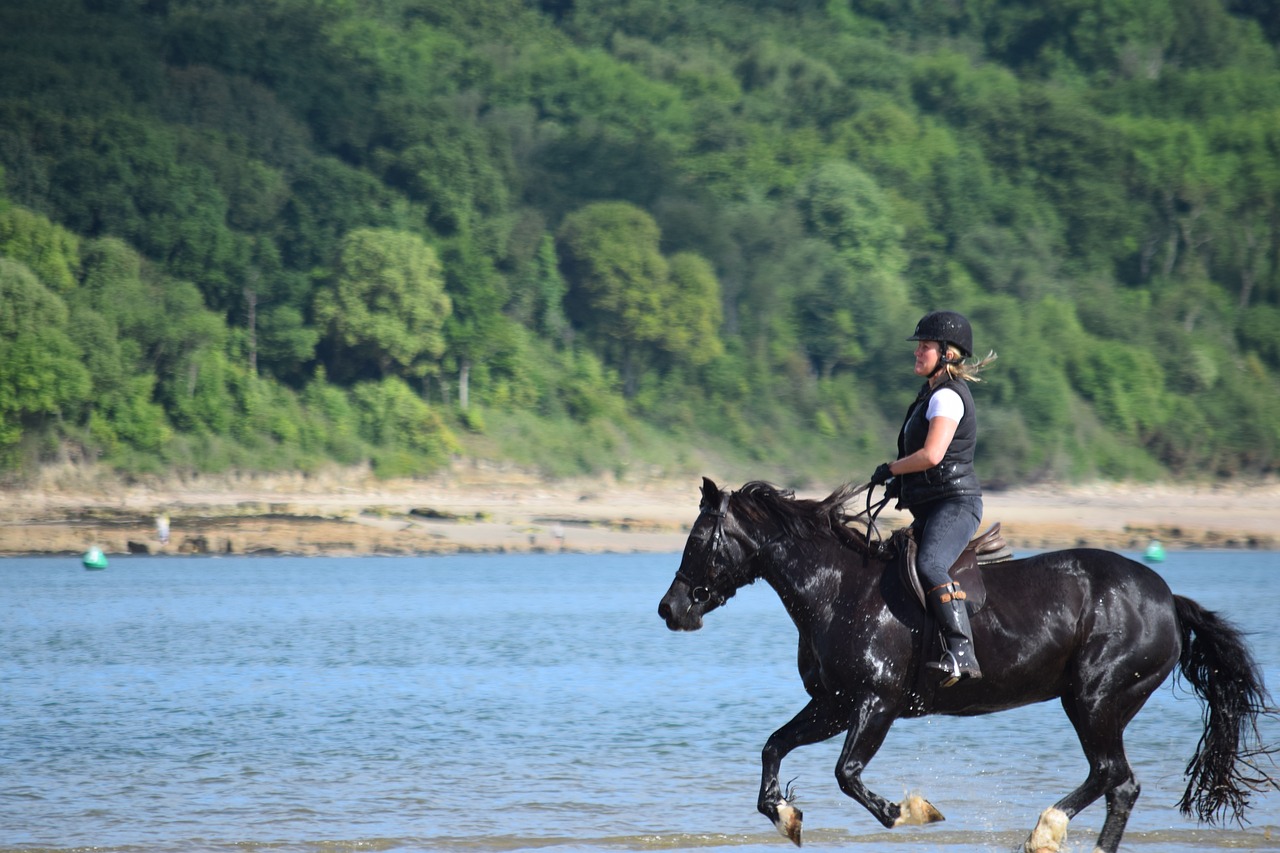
point(933, 478)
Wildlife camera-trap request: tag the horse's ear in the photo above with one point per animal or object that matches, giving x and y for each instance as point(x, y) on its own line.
point(710, 491)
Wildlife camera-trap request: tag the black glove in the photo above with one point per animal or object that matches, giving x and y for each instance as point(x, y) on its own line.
point(882, 475)
point(893, 489)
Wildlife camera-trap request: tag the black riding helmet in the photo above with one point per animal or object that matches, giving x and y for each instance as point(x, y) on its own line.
point(948, 327)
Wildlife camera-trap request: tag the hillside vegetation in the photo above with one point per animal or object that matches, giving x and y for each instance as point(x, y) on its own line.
point(645, 237)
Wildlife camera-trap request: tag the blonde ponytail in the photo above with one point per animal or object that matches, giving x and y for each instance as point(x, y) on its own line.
point(960, 368)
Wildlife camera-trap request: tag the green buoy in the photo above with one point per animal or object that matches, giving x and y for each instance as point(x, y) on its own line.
point(1155, 552)
point(95, 559)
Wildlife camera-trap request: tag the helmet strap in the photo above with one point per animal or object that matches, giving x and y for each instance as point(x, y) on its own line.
point(943, 360)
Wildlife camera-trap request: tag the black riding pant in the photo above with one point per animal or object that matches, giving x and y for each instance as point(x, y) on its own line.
point(942, 529)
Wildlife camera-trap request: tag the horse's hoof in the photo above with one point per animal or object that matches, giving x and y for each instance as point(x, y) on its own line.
point(915, 810)
point(788, 821)
point(1050, 832)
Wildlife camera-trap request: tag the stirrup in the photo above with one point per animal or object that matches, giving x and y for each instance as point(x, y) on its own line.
point(950, 667)
point(953, 670)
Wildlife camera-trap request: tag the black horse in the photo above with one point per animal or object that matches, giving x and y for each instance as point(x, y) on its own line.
point(1093, 629)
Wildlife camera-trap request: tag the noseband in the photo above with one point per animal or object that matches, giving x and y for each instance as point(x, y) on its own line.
point(700, 593)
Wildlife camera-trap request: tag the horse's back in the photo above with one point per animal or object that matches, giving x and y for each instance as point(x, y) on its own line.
point(1082, 571)
point(1052, 616)
point(1085, 588)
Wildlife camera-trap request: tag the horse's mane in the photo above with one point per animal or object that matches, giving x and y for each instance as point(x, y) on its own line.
point(802, 518)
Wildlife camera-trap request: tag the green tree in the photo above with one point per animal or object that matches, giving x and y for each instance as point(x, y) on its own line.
point(695, 305)
point(1246, 250)
point(1125, 384)
point(386, 303)
point(476, 331)
point(861, 292)
point(49, 251)
point(393, 418)
point(626, 297)
point(450, 170)
point(122, 411)
point(41, 374)
point(787, 83)
point(601, 129)
point(1175, 171)
point(549, 289)
point(195, 377)
point(155, 346)
point(1068, 37)
point(610, 256)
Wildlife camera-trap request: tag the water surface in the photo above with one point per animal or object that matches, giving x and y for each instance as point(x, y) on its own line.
point(496, 703)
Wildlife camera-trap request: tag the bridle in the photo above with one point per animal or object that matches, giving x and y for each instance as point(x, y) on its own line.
point(730, 577)
point(701, 593)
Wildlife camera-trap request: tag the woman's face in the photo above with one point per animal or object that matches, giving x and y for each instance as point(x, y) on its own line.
point(928, 354)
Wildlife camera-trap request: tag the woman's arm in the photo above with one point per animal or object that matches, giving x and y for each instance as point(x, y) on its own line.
point(936, 442)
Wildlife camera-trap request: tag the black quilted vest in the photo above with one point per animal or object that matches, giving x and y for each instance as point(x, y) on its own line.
point(954, 475)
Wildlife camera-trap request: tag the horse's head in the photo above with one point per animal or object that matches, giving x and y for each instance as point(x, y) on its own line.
point(741, 535)
point(707, 576)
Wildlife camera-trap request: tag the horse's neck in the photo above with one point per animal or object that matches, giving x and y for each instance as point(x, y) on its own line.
point(812, 581)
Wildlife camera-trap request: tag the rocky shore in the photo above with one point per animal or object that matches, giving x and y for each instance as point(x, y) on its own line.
point(503, 512)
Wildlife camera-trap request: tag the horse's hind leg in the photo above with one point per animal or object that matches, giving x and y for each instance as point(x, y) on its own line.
point(1100, 723)
point(1109, 775)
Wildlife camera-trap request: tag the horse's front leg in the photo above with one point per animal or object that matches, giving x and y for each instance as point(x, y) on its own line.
point(819, 720)
point(869, 724)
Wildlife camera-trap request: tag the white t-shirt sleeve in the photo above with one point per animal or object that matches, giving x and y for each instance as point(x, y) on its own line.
point(946, 403)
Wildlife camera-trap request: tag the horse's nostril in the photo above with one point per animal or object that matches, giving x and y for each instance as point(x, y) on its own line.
point(664, 610)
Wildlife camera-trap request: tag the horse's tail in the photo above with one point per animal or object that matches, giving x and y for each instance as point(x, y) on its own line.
point(1224, 770)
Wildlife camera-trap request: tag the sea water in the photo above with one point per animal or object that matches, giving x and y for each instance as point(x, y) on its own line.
point(506, 702)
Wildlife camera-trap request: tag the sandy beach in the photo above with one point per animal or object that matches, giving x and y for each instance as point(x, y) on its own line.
point(473, 510)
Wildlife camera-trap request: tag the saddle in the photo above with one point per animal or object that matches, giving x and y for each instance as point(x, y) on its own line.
point(985, 548)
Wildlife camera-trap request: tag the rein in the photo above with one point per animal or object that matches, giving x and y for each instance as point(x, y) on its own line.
point(873, 513)
point(870, 514)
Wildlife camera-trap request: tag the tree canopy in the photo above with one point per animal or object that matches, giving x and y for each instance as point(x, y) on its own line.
point(573, 234)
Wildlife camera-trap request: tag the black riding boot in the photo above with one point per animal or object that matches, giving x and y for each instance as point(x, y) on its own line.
point(958, 660)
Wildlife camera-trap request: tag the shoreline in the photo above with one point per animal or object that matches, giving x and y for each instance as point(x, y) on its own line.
point(487, 512)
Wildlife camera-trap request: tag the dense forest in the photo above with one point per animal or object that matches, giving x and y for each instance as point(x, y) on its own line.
point(645, 237)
